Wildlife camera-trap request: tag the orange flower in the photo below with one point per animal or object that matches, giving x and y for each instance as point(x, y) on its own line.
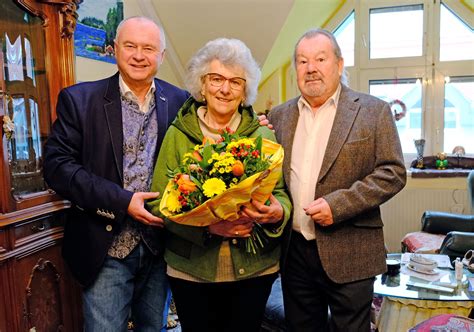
point(197, 156)
point(208, 140)
point(185, 184)
point(238, 168)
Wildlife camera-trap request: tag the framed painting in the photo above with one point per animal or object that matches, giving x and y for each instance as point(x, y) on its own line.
point(95, 30)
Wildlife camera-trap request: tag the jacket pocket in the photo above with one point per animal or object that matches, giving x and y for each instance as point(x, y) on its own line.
point(370, 219)
point(178, 246)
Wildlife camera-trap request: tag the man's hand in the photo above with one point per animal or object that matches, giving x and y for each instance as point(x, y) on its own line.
point(262, 118)
point(320, 211)
point(136, 209)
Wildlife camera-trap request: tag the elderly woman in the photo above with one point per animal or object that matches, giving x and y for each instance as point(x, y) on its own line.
point(216, 284)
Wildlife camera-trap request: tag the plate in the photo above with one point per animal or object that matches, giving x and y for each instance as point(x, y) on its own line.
point(414, 269)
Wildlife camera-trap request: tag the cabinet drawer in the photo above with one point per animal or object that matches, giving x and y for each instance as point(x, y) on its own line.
point(35, 229)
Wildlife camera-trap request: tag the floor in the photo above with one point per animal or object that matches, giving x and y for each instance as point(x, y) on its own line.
point(173, 322)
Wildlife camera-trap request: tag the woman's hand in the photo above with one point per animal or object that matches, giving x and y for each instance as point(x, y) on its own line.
point(264, 214)
point(241, 227)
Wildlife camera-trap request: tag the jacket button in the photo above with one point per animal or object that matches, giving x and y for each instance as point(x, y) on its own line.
point(234, 241)
point(108, 228)
point(241, 271)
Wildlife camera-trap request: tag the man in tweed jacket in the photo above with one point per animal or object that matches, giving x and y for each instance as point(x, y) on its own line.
point(342, 160)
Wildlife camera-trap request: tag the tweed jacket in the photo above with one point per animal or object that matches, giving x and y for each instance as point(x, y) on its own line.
point(362, 168)
point(84, 164)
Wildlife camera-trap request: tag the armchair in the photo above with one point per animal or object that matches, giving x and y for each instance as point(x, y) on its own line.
point(444, 233)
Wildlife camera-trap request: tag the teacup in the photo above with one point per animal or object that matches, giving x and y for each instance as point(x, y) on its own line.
point(393, 267)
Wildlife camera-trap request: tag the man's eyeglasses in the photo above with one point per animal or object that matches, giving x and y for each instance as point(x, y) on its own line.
point(235, 83)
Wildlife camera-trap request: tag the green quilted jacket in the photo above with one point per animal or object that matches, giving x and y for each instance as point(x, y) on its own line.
point(188, 249)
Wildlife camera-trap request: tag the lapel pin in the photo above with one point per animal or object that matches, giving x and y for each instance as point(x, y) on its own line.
point(163, 98)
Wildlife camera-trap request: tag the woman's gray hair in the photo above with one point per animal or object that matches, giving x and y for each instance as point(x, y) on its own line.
point(231, 53)
point(337, 50)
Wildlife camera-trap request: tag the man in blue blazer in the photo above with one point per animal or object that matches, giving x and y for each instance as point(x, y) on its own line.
point(100, 156)
point(343, 159)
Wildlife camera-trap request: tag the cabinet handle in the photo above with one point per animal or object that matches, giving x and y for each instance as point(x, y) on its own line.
point(38, 228)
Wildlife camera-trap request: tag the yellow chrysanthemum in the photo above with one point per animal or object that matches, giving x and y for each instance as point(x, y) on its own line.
point(187, 156)
point(221, 161)
point(238, 143)
point(172, 202)
point(213, 187)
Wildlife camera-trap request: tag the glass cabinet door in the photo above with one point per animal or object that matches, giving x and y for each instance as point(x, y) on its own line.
point(26, 105)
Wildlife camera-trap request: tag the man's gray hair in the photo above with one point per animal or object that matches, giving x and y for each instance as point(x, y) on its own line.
point(231, 53)
point(143, 19)
point(311, 33)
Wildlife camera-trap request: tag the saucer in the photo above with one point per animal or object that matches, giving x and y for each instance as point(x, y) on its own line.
point(414, 269)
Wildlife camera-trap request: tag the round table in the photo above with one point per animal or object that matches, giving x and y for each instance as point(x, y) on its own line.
point(405, 306)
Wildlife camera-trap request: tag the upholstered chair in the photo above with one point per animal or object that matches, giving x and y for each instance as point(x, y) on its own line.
point(444, 233)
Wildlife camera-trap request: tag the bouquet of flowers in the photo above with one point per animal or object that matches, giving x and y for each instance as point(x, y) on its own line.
point(215, 179)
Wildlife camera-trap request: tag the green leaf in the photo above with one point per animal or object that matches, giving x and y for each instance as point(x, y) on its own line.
point(206, 155)
point(258, 145)
point(196, 182)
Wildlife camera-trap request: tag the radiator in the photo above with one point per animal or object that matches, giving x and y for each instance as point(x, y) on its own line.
point(402, 214)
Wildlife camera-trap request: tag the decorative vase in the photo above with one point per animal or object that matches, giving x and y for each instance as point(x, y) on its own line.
point(420, 146)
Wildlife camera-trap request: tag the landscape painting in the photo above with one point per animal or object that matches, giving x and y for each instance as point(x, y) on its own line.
point(95, 30)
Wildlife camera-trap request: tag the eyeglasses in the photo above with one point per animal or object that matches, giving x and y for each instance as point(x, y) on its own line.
point(217, 80)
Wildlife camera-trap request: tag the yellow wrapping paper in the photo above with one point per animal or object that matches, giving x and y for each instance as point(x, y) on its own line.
point(227, 205)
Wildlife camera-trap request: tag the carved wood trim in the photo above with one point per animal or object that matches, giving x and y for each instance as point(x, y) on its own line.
point(34, 8)
point(33, 212)
point(69, 19)
point(43, 308)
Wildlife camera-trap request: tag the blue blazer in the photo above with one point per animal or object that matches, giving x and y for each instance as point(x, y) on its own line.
point(83, 162)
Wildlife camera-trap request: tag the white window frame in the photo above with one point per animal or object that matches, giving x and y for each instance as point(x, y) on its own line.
point(428, 67)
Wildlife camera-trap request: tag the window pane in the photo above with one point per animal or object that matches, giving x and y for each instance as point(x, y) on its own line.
point(23, 41)
point(456, 38)
point(403, 93)
point(345, 34)
point(459, 113)
point(396, 32)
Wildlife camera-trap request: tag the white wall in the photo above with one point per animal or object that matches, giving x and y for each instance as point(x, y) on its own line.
point(402, 214)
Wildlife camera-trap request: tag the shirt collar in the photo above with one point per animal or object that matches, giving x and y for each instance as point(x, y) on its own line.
point(128, 94)
point(302, 103)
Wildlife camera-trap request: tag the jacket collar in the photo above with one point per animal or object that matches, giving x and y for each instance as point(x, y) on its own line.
point(113, 115)
point(346, 112)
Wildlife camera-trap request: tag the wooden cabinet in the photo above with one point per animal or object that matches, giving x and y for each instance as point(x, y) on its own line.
point(37, 292)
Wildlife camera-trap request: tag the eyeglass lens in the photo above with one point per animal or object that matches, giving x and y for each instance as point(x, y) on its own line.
point(217, 80)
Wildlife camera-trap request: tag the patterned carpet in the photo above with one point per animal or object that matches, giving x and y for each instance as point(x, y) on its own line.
point(173, 321)
point(376, 305)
